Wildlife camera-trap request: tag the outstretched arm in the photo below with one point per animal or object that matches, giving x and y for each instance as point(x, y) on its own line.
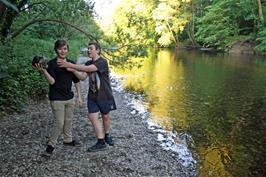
point(79, 75)
point(64, 64)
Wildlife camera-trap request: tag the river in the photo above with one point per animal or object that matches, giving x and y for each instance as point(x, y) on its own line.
point(217, 99)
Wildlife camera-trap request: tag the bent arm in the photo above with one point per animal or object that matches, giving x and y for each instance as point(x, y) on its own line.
point(47, 76)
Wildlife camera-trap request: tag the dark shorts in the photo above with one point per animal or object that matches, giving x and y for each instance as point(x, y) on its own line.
point(104, 107)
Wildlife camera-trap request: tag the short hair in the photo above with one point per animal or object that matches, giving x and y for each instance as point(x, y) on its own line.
point(97, 46)
point(60, 43)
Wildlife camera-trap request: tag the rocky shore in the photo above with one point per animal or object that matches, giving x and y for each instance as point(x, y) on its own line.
point(136, 152)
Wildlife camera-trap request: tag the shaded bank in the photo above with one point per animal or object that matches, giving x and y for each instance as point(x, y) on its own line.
point(239, 47)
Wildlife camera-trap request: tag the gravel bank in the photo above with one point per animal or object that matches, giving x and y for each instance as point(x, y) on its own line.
point(136, 152)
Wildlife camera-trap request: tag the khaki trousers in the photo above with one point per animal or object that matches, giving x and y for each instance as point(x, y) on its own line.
point(63, 116)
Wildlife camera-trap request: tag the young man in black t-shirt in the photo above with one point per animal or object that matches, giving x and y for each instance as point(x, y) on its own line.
point(100, 97)
point(61, 96)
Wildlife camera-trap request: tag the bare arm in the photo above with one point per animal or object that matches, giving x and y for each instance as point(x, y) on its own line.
point(79, 99)
point(47, 76)
point(79, 75)
point(84, 68)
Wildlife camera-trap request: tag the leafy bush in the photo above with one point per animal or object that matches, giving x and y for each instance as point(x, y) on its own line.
point(215, 27)
point(22, 80)
point(262, 40)
point(226, 20)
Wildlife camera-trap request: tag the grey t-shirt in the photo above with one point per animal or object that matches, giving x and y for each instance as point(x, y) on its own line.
point(104, 93)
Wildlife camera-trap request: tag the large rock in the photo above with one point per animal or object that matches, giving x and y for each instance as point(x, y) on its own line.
point(242, 47)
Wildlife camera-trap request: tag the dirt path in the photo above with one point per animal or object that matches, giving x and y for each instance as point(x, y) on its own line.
point(136, 151)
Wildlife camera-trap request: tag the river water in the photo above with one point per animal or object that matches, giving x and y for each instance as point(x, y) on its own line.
point(218, 100)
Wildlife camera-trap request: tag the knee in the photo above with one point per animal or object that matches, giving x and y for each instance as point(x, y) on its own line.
point(92, 116)
point(59, 123)
point(105, 116)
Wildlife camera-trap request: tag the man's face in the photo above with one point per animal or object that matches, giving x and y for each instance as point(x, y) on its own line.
point(62, 52)
point(92, 51)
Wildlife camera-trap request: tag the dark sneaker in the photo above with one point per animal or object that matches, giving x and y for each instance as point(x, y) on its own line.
point(108, 139)
point(97, 147)
point(48, 152)
point(72, 143)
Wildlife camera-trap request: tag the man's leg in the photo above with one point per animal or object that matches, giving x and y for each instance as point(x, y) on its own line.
point(100, 145)
point(58, 112)
point(69, 109)
point(106, 122)
point(96, 125)
point(106, 125)
point(58, 108)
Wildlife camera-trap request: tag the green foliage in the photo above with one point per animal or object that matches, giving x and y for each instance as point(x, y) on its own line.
point(224, 20)
point(76, 13)
point(133, 30)
point(262, 40)
point(19, 79)
point(216, 27)
point(22, 79)
point(216, 23)
point(171, 17)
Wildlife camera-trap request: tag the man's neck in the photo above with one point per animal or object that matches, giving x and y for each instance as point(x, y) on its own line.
point(60, 58)
point(96, 58)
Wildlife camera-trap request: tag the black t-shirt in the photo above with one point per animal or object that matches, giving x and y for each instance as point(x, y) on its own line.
point(61, 89)
point(104, 93)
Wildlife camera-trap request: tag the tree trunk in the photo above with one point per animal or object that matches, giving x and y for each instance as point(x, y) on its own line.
point(260, 10)
point(173, 34)
point(8, 15)
point(191, 27)
point(2, 10)
point(7, 20)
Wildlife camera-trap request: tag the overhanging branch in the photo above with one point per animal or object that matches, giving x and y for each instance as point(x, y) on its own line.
point(16, 33)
